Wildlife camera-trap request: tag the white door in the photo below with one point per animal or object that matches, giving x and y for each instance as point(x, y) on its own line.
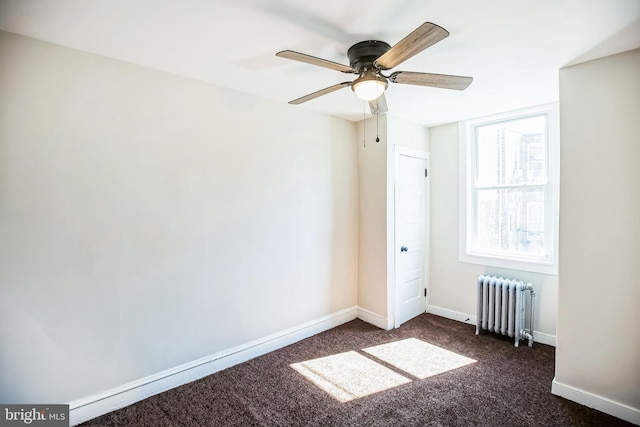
point(411, 216)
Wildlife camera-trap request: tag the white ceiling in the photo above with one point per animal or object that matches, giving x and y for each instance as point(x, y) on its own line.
point(512, 49)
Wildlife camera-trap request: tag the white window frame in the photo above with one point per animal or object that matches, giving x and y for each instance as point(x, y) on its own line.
point(548, 264)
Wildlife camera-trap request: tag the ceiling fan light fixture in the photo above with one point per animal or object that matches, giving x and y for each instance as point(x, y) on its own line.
point(369, 86)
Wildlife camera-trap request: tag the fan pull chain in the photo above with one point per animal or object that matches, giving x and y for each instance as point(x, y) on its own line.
point(377, 125)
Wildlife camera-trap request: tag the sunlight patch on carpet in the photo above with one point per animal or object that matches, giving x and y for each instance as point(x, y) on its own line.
point(350, 375)
point(418, 358)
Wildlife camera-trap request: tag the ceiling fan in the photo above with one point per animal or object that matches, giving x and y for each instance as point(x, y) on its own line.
point(370, 58)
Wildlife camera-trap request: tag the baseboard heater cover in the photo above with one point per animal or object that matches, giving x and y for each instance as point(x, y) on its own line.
point(501, 307)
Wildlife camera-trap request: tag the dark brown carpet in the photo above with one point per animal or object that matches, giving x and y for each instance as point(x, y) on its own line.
point(507, 386)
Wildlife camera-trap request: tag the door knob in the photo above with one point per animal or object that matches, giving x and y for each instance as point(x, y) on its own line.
point(404, 249)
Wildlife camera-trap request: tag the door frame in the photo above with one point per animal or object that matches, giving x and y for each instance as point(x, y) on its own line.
point(392, 178)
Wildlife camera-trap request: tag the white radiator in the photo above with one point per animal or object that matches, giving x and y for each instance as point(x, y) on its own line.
point(501, 307)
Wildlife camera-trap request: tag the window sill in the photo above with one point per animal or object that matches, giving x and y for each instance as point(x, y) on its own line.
point(542, 267)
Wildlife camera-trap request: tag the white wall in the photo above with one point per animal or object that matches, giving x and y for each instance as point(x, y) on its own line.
point(406, 134)
point(598, 350)
point(375, 220)
point(372, 216)
point(149, 220)
point(453, 283)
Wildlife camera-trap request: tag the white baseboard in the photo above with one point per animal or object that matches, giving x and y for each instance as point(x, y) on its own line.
point(374, 319)
point(540, 337)
point(99, 404)
point(450, 314)
point(594, 401)
point(543, 338)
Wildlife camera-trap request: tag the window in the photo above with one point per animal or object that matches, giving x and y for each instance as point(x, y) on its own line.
point(509, 190)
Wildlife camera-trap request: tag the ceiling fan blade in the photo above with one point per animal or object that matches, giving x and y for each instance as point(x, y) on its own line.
point(443, 81)
point(418, 40)
point(319, 93)
point(302, 57)
point(378, 105)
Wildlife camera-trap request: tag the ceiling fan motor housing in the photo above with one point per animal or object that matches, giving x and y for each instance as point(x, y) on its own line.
point(362, 55)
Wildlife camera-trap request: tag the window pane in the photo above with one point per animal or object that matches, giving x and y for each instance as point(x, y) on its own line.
point(511, 152)
point(511, 221)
